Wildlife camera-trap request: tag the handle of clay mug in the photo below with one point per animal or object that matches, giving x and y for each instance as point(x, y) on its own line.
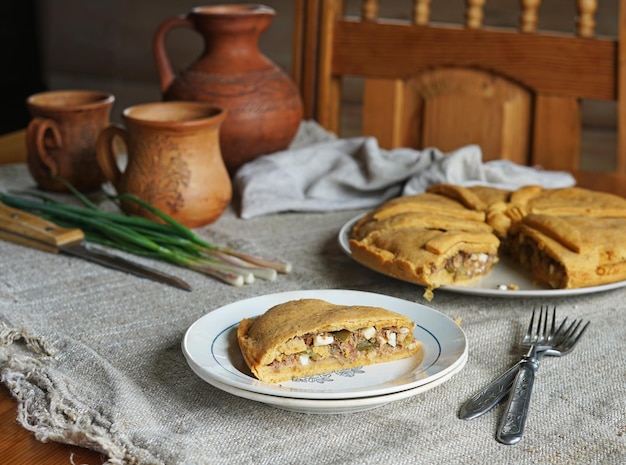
point(107, 155)
point(164, 67)
point(36, 141)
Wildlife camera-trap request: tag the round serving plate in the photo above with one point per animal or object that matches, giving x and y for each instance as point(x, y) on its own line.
point(507, 279)
point(211, 349)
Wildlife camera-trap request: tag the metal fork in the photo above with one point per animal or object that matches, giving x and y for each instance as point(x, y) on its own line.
point(563, 341)
point(511, 428)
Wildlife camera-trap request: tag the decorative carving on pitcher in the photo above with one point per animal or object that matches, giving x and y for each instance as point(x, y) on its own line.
point(174, 179)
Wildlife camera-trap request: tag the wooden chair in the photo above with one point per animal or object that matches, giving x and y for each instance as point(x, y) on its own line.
point(516, 92)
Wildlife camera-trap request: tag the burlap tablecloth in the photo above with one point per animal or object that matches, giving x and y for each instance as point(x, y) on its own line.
point(94, 358)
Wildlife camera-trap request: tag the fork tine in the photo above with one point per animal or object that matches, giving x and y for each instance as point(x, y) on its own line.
point(573, 335)
point(561, 326)
point(538, 327)
point(544, 332)
point(541, 334)
point(552, 325)
point(529, 332)
point(577, 338)
point(571, 329)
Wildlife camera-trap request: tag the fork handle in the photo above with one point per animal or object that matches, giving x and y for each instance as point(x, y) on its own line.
point(490, 396)
point(511, 428)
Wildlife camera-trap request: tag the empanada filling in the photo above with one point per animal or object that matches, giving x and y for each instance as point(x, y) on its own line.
point(535, 259)
point(466, 265)
point(345, 346)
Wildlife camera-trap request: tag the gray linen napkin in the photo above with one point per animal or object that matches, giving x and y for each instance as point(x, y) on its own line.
point(339, 174)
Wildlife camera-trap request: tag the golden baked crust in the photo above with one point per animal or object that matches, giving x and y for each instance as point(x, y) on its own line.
point(306, 337)
point(427, 203)
point(566, 237)
point(493, 202)
point(479, 198)
point(572, 201)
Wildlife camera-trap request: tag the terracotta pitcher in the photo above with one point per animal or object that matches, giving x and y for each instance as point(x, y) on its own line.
point(264, 106)
point(173, 160)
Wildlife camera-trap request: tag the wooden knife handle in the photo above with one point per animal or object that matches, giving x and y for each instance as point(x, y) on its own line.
point(27, 229)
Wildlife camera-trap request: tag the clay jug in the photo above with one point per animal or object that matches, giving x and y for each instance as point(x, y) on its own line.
point(61, 138)
point(264, 106)
point(173, 160)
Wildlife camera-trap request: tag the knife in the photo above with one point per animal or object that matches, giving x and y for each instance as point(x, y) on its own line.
point(30, 230)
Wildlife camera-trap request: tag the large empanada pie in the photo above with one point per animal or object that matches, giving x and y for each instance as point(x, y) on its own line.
point(431, 239)
point(308, 337)
point(567, 238)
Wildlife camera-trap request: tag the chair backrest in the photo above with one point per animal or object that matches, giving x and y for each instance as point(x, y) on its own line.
point(516, 92)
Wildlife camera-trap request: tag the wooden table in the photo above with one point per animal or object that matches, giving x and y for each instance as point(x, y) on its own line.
point(13, 147)
point(18, 446)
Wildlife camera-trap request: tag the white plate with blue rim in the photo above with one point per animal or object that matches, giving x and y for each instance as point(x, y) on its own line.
point(211, 350)
point(337, 406)
point(507, 279)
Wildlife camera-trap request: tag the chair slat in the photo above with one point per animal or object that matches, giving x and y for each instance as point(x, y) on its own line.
point(474, 14)
point(529, 16)
point(421, 12)
point(549, 63)
point(586, 23)
point(369, 10)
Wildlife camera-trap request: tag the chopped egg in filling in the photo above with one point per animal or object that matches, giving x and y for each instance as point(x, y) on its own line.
point(346, 345)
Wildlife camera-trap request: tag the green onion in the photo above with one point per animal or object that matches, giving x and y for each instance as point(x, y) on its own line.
point(169, 241)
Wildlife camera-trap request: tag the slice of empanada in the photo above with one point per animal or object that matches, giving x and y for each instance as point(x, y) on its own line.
point(308, 337)
point(428, 239)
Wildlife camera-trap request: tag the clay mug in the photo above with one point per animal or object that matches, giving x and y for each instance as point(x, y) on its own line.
point(174, 161)
point(61, 138)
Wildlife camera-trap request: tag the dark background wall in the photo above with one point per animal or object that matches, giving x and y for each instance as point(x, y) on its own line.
point(21, 73)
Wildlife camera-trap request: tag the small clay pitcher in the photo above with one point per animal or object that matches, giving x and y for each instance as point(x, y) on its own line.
point(264, 106)
point(173, 161)
point(61, 138)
